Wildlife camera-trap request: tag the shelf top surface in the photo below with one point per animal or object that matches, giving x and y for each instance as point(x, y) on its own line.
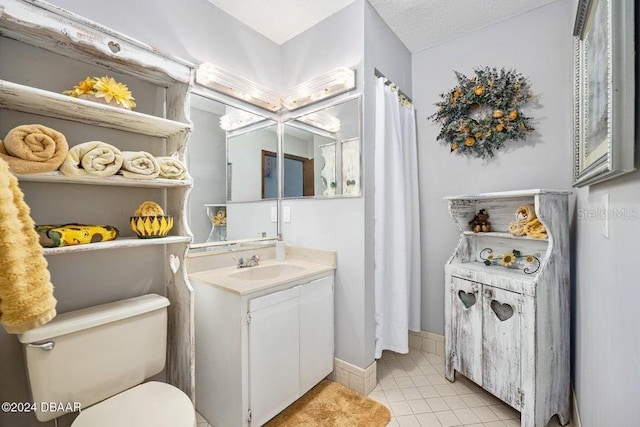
point(507, 194)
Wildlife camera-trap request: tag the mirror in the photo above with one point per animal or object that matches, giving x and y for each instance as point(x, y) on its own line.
point(322, 152)
point(252, 166)
point(223, 157)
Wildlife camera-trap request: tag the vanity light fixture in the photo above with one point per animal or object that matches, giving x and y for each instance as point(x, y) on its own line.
point(239, 119)
point(231, 84)
point(321, 120)
point(333, 83)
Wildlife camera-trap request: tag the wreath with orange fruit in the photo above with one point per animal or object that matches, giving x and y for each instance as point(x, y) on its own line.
point(483, 112)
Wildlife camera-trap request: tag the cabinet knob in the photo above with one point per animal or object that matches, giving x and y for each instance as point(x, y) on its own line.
point(488, 293)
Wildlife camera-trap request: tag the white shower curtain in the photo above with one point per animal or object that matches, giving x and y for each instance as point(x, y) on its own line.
point(397, 226)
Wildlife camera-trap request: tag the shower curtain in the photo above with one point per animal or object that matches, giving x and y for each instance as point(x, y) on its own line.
point(397, 226)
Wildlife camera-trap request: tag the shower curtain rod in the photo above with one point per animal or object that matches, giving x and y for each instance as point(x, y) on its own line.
point(390, 83)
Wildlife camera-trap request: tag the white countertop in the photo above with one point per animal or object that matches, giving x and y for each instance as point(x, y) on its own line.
point(222, 277)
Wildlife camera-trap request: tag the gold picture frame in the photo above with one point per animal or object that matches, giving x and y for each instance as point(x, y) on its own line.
point(604, 90)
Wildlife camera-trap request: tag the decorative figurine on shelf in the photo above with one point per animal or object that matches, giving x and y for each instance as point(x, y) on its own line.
point(150, 222)
point(480, 222)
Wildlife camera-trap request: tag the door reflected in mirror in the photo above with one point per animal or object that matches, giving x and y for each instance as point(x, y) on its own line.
point(322, 152)
point(220, 133)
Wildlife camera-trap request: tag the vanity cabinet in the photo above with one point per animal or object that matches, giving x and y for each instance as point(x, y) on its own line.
point(45, 50)
point(507, 326)
point(258, 352)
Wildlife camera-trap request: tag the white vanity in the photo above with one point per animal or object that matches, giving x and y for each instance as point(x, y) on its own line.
point(264, 337)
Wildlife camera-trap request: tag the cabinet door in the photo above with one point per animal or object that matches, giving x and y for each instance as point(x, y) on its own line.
point(501, 344)
point(316, 332)
point(273, 354)
point(466, 328)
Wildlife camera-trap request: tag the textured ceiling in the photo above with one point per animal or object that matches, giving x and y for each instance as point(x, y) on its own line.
point(420, 24)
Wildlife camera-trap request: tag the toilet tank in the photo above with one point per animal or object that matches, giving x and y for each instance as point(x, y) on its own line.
point(97, 352)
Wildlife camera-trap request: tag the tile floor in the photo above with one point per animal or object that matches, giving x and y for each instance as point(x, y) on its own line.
point(414, 389)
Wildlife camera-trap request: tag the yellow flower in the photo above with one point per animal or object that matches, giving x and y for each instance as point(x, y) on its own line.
point(529, 259)
point(478, 134)
point(469, 141)
point(107, 88)
point(513, 114)
point(454, 146)
point(479, 90)
point(497, 114)
point(499, 127)
point(85, 86)
point(508, 259)
point(490, 256)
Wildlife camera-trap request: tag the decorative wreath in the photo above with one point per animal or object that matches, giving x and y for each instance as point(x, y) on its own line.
point(482, 112)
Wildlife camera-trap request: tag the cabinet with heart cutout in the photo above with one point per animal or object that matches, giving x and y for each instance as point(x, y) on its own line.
point(507, 304)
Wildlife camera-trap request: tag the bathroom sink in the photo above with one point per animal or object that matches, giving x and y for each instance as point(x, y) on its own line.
point(265, 272)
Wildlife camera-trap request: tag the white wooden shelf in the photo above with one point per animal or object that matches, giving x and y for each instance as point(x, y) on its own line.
point(58, 177)
point(125, 242)
point(502, 235)
point(27, 99)
point(497, 270)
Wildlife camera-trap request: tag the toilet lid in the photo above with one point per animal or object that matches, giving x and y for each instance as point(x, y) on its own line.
point(151, 404)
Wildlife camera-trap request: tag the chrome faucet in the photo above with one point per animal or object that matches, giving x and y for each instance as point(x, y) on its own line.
point(251, 262)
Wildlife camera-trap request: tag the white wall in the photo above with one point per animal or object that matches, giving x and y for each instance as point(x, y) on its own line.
point(538, 44)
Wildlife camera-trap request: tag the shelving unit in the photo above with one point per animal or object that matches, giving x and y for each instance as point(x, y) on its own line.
point(80, 47)
point(505, 329)
point(120, 243)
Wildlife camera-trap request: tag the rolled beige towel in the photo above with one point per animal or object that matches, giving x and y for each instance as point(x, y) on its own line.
point(524, 214)
point(139, 165)
point(34, 149)
point(95, 158)
point(171, 168)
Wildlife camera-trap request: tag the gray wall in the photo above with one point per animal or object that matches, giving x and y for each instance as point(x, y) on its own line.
point(537, 44)
point(606, 339)
point(192, 29)
point(384, 51)
point(195, 30)
point(336, 224)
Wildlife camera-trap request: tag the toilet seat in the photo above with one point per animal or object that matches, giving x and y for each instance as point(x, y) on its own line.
point(152, 404)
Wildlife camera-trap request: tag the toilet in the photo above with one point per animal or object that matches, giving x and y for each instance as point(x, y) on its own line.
point(97, 359)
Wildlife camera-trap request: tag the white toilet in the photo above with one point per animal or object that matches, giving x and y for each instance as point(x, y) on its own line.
point(97, 358)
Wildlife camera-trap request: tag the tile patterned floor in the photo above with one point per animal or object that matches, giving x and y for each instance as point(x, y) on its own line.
point(414, 389)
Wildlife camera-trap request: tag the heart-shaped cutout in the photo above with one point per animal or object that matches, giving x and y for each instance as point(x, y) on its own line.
point(174, 263)
point(114, 47)
point(467, 299)
point(503, 311)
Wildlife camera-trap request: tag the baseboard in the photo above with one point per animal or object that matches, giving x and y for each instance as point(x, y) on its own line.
point(427, 342)
point(357, 379)
point(575, 415)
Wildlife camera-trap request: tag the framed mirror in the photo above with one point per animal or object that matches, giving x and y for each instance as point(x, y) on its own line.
point(322, 152)
point(224, 160)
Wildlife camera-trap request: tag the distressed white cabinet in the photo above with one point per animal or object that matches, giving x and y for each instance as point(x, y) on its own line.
point(258, 352)
point(44, 50)
point(507, 326)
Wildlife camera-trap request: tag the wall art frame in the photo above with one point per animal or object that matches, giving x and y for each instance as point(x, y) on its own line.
point(604, 90)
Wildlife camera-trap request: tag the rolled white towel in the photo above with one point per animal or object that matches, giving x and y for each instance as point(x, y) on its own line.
point(94, 158)
point(139, 165)
point(171, 168)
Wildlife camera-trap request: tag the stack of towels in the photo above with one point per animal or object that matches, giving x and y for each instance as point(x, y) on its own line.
point(36, 148)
